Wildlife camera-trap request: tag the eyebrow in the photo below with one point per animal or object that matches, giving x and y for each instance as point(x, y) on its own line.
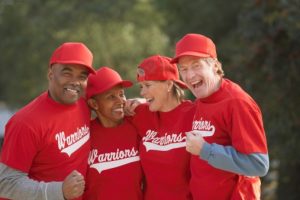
point(180, 66)
point(68, 68)
point(191, 63)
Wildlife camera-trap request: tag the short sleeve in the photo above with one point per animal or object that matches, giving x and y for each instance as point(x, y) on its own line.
point(20, 145)
point(247, 131)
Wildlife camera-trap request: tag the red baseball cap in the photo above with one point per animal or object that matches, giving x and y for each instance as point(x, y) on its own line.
point(195, 45)
point(104, 79)
point(158, 68)
point(73, 53)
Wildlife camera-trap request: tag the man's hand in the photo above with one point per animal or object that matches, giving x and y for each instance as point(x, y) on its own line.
point(73, 185)
point(194, 142)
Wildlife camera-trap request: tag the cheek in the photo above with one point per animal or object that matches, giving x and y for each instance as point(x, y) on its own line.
point(123, 100)
point(183, 76)
point(103, 108)
point(212, 74)
point(161, 95)
point(84, 84)
point(58, 80)
point(54, 82)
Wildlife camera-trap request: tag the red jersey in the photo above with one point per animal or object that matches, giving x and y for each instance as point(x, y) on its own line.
point(227, 117)
point(164, 158)
point(48, 140)
point(114, 171)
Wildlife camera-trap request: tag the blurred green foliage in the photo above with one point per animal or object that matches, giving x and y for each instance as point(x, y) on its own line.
point(120, 34)
point(258, 43)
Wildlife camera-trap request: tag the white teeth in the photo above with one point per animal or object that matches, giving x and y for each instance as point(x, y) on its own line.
point(71, 90)
point(195, 82)
point(118, 110)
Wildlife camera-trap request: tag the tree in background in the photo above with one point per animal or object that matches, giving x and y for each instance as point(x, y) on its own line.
point(119, 33)
point(259, 45)
point(269, 31)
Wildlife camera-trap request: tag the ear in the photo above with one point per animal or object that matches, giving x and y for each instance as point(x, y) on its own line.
point(216, 67)
point(92, 104)
point(50, 73)
point(170, 85)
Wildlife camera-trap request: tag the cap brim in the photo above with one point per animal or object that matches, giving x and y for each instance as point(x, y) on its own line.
point(89, 68)
point(189, 53)
point(123, 83)
point(126, 83)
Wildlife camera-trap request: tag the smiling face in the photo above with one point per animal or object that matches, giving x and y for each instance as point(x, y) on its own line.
point(159, 95)
point(200, 75)
point(67, 82)
point(109, 106)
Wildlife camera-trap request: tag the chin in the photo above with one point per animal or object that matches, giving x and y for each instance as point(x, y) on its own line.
point(70, 100)
point(195, 93)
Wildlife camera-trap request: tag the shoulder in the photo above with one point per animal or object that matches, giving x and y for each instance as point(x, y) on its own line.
point(142, 111)
point(33, 108)
point(144, 107)
point(187, 106)
point(236, 92)
point(240, 100)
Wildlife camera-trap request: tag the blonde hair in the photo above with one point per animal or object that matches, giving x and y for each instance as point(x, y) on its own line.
point(178, 92)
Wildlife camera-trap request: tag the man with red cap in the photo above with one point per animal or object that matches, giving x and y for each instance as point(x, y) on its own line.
point(227, 141)
point(162, 123)
point(114, 170)
point(46, 143)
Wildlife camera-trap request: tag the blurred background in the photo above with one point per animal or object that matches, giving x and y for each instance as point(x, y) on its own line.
point(258, 43)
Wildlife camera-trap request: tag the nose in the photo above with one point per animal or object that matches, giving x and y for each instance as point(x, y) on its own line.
point(142, 92)
point(121, 100)
point(75, 82)
point(189, 73)
point(78, 81)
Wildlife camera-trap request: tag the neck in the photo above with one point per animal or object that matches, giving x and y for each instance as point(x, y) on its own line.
point(218, 83)
point(108, 123)
point(171, 104)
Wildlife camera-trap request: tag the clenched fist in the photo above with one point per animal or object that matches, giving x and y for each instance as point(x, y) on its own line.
point(73, 185)
point(194, 142)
